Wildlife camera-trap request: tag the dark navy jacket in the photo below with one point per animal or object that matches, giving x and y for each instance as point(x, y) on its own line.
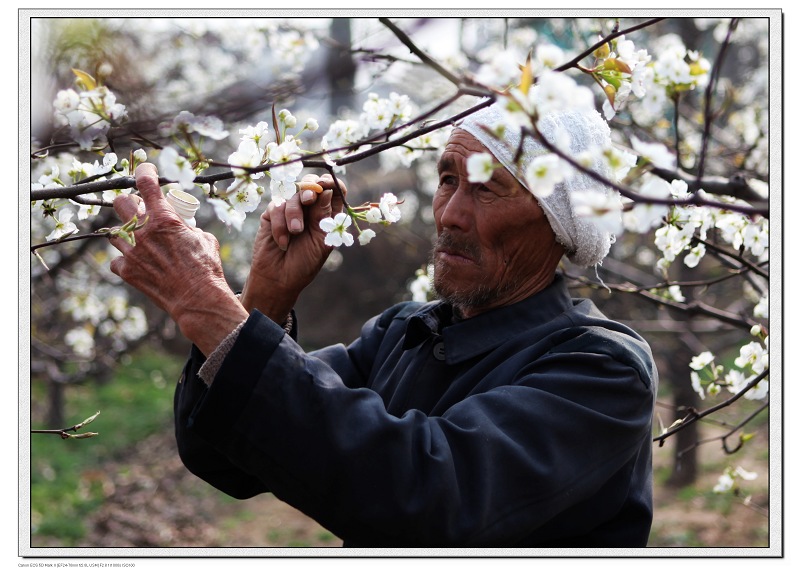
point(528, 425)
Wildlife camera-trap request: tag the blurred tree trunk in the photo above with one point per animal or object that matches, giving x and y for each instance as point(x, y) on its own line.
point(55, 405)
point(684, 461)
point(341, 68)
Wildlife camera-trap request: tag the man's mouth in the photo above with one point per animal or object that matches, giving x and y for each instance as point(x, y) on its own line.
point(453, 250)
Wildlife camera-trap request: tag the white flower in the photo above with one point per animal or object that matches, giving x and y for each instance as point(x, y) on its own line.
point(244, 195)
point(698, 388)
point(227, 214)
point(175, 167)
point(374, 215)
point(140, 155)
point(336, 229)
point(480, 167)
point(676, 294)
point(247, 155)
point(287, 118)
point(500, 72)
point(724, 483)
point(754, 356)
point(755, 237)
point(549, 56)
point(696, 253)
point(762, 308)
point(258, 134)
point(604, 209)
point(388, 206)
point(365, 236)
point(544, 173)
point(745, 474)
point(619, 161)
point(208, 126)
point(700, 361)
point(645, 216)
point(311, 125)
point(421, 286)
point(64, 225)
point(81, 342)
point(655, 153)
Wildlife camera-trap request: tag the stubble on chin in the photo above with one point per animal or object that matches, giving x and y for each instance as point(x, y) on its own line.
point(480, 293)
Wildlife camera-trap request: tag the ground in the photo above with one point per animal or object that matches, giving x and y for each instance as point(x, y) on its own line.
point(152, 501)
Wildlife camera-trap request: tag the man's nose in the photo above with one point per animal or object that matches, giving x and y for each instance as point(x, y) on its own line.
point(458, 210)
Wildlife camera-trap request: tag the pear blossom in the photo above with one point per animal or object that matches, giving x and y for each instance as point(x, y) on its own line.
point(336, 229)
point(701, 361)
point(388, 206)
point(287, 151)
point(86, 211)
point(762, 308)
point(549, 56)
point(480, 167)
point(544, 173)
point(501, 71)
point(311, 125)
point(286, 117)
point(656, 153)
point(247, 155)
point(755, 237)
point(208, 126)
point(697, 384)
point(727, 480)
point(64, 225)
point(724, 483)
point(374, 215)
point(175, 167)
point(732, 226)
point(605, 210)
point(81, 341)
point(227, 214)
point(365, 236)
point(343, 133)
point(244, 195)
point(555, 91)
point(644, 216)
point(752, 355)
point(696, 253)
point(672, 240)
point(282, 190)
point(620, 161)
point(675, 293)
point(421, 287)
point(258, 134)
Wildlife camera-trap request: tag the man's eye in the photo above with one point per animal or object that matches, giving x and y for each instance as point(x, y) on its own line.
point(448, 180)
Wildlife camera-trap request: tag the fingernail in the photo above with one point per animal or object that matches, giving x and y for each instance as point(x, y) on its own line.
point(283, 243)
point(308, 195)
point(295, 226)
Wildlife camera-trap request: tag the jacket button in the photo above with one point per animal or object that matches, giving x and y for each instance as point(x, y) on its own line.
point(438, 351)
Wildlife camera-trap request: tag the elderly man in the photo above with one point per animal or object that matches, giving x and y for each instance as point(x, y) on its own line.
point(504, 414)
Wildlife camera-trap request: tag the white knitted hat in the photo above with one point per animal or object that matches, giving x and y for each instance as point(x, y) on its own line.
point(586, 244)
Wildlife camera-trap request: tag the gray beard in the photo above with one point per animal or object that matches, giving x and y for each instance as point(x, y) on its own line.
point(463, 299)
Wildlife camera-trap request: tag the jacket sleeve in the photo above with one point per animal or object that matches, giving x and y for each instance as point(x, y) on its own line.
point(203, 457)
point(493, 468)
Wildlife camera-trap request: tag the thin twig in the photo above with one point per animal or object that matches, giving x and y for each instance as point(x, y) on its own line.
point(695, 416)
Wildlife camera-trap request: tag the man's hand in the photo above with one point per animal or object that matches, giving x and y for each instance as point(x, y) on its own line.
point(290, 248)
point(176, 266)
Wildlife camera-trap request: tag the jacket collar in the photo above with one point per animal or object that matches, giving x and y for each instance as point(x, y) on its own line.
point(468, 338)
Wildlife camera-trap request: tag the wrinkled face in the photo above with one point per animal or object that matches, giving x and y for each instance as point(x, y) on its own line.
point(495, 246)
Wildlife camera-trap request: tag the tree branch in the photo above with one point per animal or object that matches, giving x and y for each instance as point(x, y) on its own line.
point(695, 416)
